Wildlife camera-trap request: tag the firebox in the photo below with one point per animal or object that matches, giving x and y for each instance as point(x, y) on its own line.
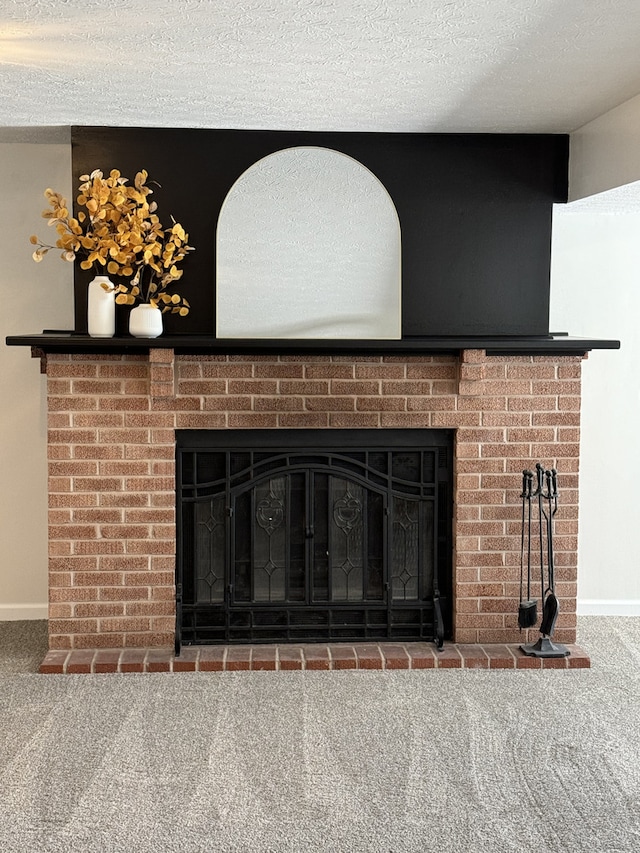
point(313, 535)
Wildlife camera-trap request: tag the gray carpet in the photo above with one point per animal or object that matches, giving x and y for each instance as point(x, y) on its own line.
point(23, 645)
point(327, 761)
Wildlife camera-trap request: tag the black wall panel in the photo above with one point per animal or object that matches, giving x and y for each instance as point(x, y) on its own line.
point(475, 213)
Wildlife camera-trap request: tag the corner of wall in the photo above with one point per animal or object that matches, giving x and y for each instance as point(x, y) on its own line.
point(604, 153)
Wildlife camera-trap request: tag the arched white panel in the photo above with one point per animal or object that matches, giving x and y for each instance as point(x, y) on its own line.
point(308, 246)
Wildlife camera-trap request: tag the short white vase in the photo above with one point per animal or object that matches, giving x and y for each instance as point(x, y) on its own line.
point(145, 321)
point(101, 308)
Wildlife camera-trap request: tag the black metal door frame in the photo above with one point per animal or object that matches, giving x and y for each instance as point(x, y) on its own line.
point(301, 445)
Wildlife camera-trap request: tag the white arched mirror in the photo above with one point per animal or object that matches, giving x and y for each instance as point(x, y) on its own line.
point(308, 246)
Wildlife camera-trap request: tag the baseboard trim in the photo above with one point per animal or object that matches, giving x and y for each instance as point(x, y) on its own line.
point(19, 612)
point(586, 607)
point(608, 607)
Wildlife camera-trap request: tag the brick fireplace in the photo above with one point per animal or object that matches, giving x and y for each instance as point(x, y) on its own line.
point(472, 358)
point(112, 420)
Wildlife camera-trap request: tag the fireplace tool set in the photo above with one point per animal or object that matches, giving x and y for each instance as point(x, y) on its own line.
point(545, 495)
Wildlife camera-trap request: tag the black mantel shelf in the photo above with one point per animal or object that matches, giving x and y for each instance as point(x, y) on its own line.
point(72, 342)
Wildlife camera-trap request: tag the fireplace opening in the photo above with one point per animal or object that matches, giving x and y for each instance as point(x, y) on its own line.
point(313, 535)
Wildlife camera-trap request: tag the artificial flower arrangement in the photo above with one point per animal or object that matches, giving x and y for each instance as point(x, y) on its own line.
point(120, 234)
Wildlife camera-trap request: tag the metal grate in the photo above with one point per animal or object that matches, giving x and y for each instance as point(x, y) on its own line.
point(309, 535)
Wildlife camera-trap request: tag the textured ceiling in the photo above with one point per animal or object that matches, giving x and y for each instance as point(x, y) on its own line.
point(376, 65)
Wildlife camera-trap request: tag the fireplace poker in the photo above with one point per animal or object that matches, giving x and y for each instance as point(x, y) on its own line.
point(539, 494)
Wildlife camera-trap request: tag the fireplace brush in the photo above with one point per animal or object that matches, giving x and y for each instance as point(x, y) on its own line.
point(528, 608)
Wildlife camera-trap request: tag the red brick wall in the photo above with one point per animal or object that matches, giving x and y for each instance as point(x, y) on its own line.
point(111, 469)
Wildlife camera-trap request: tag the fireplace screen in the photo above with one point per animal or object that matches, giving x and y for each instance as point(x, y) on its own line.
point(309, 536)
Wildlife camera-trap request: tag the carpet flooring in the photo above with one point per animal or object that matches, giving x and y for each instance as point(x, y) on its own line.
point(23, 645)
point(382, 762)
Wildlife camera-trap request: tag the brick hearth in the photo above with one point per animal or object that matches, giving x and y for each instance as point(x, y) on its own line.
point(316, 657)
point(112, 422)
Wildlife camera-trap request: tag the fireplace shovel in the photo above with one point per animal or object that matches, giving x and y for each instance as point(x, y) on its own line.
point(528, 608)
point(551, 606)
point(544, 648)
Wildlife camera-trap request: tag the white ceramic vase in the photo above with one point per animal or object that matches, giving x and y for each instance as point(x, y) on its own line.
point(145, 321)
point(101, 308)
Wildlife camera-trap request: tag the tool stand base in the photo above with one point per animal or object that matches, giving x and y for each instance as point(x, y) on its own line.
point(544, 648)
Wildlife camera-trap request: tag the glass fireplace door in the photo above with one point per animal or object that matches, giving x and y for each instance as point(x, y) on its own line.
point(288, 545)
point(307, 537)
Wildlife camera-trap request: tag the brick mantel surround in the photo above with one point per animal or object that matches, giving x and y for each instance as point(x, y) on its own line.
point(111, 450)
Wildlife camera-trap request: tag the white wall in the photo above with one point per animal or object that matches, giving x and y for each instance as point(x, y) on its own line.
point(596, 292)
point(34, 297)
point(605, 153)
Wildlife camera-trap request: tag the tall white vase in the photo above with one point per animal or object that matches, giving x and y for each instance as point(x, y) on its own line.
point(101, 308)
point(145, 321)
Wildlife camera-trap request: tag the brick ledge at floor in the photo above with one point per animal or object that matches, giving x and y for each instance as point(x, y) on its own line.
point(370, 656)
